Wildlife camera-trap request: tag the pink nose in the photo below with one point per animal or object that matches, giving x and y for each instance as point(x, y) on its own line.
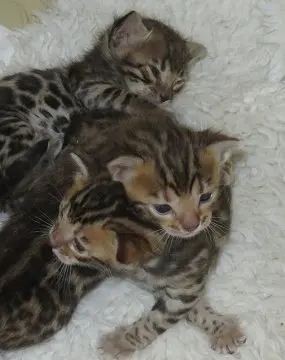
point(190, 223)
point(56, 238)
point(190, 227)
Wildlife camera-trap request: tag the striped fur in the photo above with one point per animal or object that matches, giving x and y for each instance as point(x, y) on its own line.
point(135, 64)
point(158, 160)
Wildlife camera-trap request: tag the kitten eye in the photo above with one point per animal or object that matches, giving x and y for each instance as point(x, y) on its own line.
point(163, 208)
point(205, 197)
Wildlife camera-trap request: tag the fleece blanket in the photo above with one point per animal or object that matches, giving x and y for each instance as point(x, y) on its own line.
point(239, 88)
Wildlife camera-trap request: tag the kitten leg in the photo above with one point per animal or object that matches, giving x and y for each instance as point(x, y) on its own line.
point(168, 310)
point(103, 96)
point(224, 331)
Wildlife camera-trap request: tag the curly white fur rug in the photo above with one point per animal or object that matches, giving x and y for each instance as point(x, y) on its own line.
point(240, 88)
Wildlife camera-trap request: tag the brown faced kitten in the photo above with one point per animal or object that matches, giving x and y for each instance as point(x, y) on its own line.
point(136, 62)
point(98, 243)
point(179, 184)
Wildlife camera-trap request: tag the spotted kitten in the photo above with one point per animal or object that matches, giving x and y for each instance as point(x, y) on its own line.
point(179, 184)
point(136, 63)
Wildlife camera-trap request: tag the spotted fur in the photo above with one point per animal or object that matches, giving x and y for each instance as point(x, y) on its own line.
point(37, 298)
point(145, 155)
point(38, 293)
point(135, 63)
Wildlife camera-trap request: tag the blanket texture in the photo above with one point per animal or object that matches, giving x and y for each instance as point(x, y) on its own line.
point(239, 88)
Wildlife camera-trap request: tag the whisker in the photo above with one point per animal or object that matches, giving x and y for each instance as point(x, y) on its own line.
point(57, 199)
point(217, 231)
point(219, 226)
point(57, 191)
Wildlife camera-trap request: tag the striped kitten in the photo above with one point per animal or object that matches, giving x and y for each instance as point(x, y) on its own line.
point(37, 299)
point(97, 241)
point(136, 63)
point(37, 295)
point(178, 183)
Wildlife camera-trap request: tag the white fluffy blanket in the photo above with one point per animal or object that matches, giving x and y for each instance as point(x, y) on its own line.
point(239, 88)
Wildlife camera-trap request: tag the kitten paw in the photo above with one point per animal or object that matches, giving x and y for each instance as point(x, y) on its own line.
point(228, 338)
point(116, 344)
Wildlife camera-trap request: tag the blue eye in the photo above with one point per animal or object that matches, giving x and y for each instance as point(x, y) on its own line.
point(163, 208)
point(205, 197)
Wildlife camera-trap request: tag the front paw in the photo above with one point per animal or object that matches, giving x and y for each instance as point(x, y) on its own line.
point(228, 338)
point(117, 345)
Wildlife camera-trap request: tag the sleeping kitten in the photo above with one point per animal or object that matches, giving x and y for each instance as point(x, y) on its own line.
point(136, 63)
point(179, 184)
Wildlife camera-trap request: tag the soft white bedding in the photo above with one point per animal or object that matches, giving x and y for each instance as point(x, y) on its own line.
point(238, 88)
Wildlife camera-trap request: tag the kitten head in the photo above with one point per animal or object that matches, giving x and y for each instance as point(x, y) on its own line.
point(154, 58)
point(90, 244)
point(174, 189)
point(83, 204)
point(179, 197)
point(98, 242)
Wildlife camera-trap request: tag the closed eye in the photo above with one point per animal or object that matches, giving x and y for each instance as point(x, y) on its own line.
point(154, 71)
point(137, 78)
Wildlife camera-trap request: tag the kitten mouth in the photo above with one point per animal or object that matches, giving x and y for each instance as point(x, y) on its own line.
point(63, 258)
point(153, 99)
point(184, 235)
point(120, 255)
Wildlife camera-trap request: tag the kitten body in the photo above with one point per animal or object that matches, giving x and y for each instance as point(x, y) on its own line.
point(36, 300)
point(128, 155)
point(181, 205)
point(135, 63)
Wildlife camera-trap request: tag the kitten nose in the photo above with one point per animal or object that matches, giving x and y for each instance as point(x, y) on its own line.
point(164, 98)
point(190, 224)
point(191, 228)
point(57, 239)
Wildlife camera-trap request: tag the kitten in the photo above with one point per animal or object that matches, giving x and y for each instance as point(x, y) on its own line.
point(136, 63)
point(179, 184)
point(37, 300)
point(97, 241)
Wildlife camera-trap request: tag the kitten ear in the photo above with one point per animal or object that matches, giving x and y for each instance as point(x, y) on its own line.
point(224, 150)
point(130, 32)
point(82, 171)
point(123, 168)
point(81, 177)
point(197, 52)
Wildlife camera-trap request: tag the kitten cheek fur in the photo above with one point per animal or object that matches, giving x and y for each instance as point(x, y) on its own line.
point(100, 243)
point(144, 184)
